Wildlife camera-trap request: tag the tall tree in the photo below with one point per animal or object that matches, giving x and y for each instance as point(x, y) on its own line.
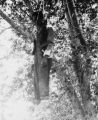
point(28, 14)
point(31, 14)
point(80, 53)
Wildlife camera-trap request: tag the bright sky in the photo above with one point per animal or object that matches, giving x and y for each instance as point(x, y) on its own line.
point(4, 39)
point(14, 107)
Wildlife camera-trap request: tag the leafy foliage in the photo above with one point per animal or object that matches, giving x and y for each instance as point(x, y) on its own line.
point(25, 13)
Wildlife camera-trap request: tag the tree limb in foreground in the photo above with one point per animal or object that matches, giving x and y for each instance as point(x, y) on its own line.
point(17, 28)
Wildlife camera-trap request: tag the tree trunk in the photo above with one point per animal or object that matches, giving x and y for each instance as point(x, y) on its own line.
point(81, 66)
point(82, 69)
point(74, 99)
point(42, 67)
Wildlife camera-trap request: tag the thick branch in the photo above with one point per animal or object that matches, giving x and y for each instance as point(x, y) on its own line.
point(74, 22)
point(17, 28)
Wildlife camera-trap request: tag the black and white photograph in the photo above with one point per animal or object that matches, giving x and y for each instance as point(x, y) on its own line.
point(48, 59)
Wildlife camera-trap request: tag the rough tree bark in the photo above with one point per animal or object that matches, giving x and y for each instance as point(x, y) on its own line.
point(81, 68)
point(42, 63)
point(74, 100)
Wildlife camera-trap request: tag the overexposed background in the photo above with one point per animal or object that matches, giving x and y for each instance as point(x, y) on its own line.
point(13, 103)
